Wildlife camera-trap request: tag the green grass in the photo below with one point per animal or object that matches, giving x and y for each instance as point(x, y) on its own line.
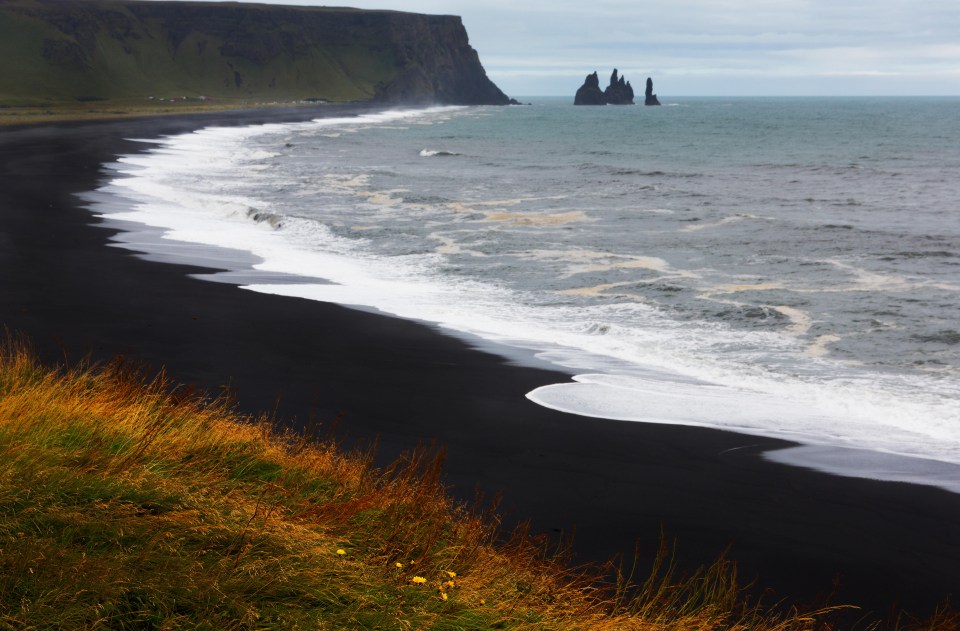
point(128, 503)
point(95, 60)
point(32, 113)
point(63, 53)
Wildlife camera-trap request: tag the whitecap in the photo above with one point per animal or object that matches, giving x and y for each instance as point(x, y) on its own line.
point(432, 153)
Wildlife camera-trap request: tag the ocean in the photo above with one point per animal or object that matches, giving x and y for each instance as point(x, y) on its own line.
point(784, 267)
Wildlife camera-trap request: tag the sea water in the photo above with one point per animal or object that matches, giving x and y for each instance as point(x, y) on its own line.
point(785, 267)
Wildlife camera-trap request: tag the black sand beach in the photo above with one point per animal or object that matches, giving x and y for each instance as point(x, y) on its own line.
point(614, 483)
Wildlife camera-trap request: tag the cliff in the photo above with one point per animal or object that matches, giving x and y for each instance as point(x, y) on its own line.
point(90, 50)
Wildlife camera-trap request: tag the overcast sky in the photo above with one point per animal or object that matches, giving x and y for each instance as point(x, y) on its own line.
point(711, 47)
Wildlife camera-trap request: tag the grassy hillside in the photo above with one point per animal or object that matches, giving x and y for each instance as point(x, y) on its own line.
point(128, 51)
point(127, 503)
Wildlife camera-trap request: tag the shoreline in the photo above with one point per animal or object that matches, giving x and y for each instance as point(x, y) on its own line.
point(842, 457)
point(13, 116)
point(614, 483)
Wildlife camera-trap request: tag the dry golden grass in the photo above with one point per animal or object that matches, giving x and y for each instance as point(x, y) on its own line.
point(128, 503)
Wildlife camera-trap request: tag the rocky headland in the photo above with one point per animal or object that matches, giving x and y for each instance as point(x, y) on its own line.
point(112, 50)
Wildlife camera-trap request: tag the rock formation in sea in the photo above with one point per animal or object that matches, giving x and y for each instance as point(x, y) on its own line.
point(649, 97)
point(619, 92)
point(590, 92)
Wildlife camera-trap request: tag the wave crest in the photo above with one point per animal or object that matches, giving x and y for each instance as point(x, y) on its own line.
point(432, 153)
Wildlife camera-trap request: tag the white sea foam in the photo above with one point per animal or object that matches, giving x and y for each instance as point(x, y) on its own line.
point(652, 370)
point(432, 153)
point(655, 376)
point(842, 414)
point(706, 226)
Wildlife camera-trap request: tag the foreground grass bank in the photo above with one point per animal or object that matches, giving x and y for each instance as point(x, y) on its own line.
point(126, 503)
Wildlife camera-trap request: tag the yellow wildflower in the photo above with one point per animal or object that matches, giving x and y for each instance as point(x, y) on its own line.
point(483, 601)
point(418, 580)
point(399, 565)
point(452, 574)
point(443, 595)
point(341, 551)
point(450, 584)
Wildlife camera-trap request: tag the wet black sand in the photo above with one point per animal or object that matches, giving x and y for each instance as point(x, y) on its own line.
point(614, 483)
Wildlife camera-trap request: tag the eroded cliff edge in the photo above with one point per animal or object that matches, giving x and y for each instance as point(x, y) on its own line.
point(84, 50)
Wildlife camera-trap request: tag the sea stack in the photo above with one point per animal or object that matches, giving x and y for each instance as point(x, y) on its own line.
point(649, 97)
point(619, 92)
point(590, 92)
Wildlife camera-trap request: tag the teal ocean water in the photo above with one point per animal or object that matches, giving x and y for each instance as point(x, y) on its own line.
point(785, 267)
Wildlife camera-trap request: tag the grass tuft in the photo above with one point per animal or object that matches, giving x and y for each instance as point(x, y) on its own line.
point(127, 502)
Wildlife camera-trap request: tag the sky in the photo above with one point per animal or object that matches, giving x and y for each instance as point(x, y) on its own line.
point(710, 47)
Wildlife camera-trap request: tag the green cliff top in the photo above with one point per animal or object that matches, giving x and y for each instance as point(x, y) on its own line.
point(104, 56)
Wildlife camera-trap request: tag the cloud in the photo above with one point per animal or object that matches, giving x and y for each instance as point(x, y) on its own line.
point(903, 46)
point(747, 42)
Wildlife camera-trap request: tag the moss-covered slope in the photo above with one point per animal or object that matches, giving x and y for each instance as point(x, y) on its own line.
point(85, 50)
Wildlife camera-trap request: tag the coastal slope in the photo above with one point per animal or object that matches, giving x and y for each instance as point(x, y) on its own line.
point(115, 50)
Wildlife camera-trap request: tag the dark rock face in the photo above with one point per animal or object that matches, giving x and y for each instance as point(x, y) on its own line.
point(590, 92)
point(436, 64)
point(619, 92)
point(122, 49)
point(649, 97)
